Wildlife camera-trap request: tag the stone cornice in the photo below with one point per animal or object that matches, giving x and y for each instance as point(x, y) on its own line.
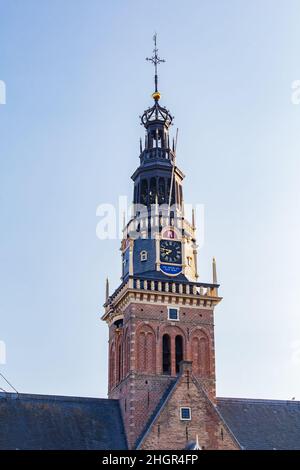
point(137, 291)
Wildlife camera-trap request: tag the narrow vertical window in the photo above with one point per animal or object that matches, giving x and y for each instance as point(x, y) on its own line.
point(112, 367)
point(120, 362)
point(144, 192)
point(178, 351)
point(161, 191)
point(135, 195)
point(152, 192)
point(142, 351)
point(166, 354)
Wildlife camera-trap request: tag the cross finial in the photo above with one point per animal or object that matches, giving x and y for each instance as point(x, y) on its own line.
point(155, 60)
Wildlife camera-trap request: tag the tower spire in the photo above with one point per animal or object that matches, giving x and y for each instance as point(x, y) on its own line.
point(193, 219)
point(106, 289)
point(214, 269)
point(156, 60)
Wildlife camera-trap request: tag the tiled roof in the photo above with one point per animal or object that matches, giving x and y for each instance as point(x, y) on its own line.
point(262, 424)
point(160, 276)
point(54, 422)
point(180, 278)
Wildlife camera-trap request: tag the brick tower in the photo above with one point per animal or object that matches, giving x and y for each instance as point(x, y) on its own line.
point(161, 317)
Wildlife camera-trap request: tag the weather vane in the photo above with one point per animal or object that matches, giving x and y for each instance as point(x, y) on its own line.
point(155, 61)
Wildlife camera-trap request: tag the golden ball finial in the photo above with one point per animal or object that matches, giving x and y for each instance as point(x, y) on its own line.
point(156, 95)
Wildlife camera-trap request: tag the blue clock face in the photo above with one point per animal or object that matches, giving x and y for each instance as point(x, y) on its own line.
point(170, 251)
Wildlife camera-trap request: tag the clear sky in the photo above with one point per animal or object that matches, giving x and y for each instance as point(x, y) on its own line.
point(76, 83)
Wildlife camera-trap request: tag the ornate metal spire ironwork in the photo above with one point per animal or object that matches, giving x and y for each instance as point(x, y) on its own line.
point(156, 113)
point(155, 61)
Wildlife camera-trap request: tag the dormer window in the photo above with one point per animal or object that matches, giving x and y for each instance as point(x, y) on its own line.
point(144, 255)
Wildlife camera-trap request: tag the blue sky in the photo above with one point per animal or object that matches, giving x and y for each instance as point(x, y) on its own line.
point(76, 83)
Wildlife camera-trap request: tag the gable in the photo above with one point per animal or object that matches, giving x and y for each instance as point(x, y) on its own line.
point(167, 431)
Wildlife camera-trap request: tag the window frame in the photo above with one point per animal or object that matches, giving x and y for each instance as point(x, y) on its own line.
point(144, 256)
point(190, 413)
point(173, 308)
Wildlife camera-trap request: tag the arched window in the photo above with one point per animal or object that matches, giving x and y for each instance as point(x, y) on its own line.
point(150, 353)
point(161, 191)
point(126, 356)
point(151, 137)
point(195, 355)
point(142, 351)
point(144, 192)
point(204, 356)
point(135, 195)
point(201, 355)
point(112, 367)
point(120, 363)
point(178, 351)
point(152, 192)
point(146, 355)
point(166, 354)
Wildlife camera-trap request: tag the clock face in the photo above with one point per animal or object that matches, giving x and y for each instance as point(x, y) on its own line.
point(170, 251)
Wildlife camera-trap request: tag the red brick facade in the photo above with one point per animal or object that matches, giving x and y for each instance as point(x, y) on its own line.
point(169, 432)
point(141, 346)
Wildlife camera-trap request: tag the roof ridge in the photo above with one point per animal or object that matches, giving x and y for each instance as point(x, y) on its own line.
point(257, 400)
point(27, 396)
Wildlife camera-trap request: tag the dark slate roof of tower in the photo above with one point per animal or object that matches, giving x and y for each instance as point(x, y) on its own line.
point(180, 278)
point(262, 424)
point(54, 422)
point(159, 276)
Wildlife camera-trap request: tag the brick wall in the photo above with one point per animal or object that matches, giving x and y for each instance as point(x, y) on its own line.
point(139, 395)
point(169, 432)
point(135, 357)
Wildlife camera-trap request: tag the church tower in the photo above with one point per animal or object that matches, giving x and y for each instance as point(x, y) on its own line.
point(161, 317)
